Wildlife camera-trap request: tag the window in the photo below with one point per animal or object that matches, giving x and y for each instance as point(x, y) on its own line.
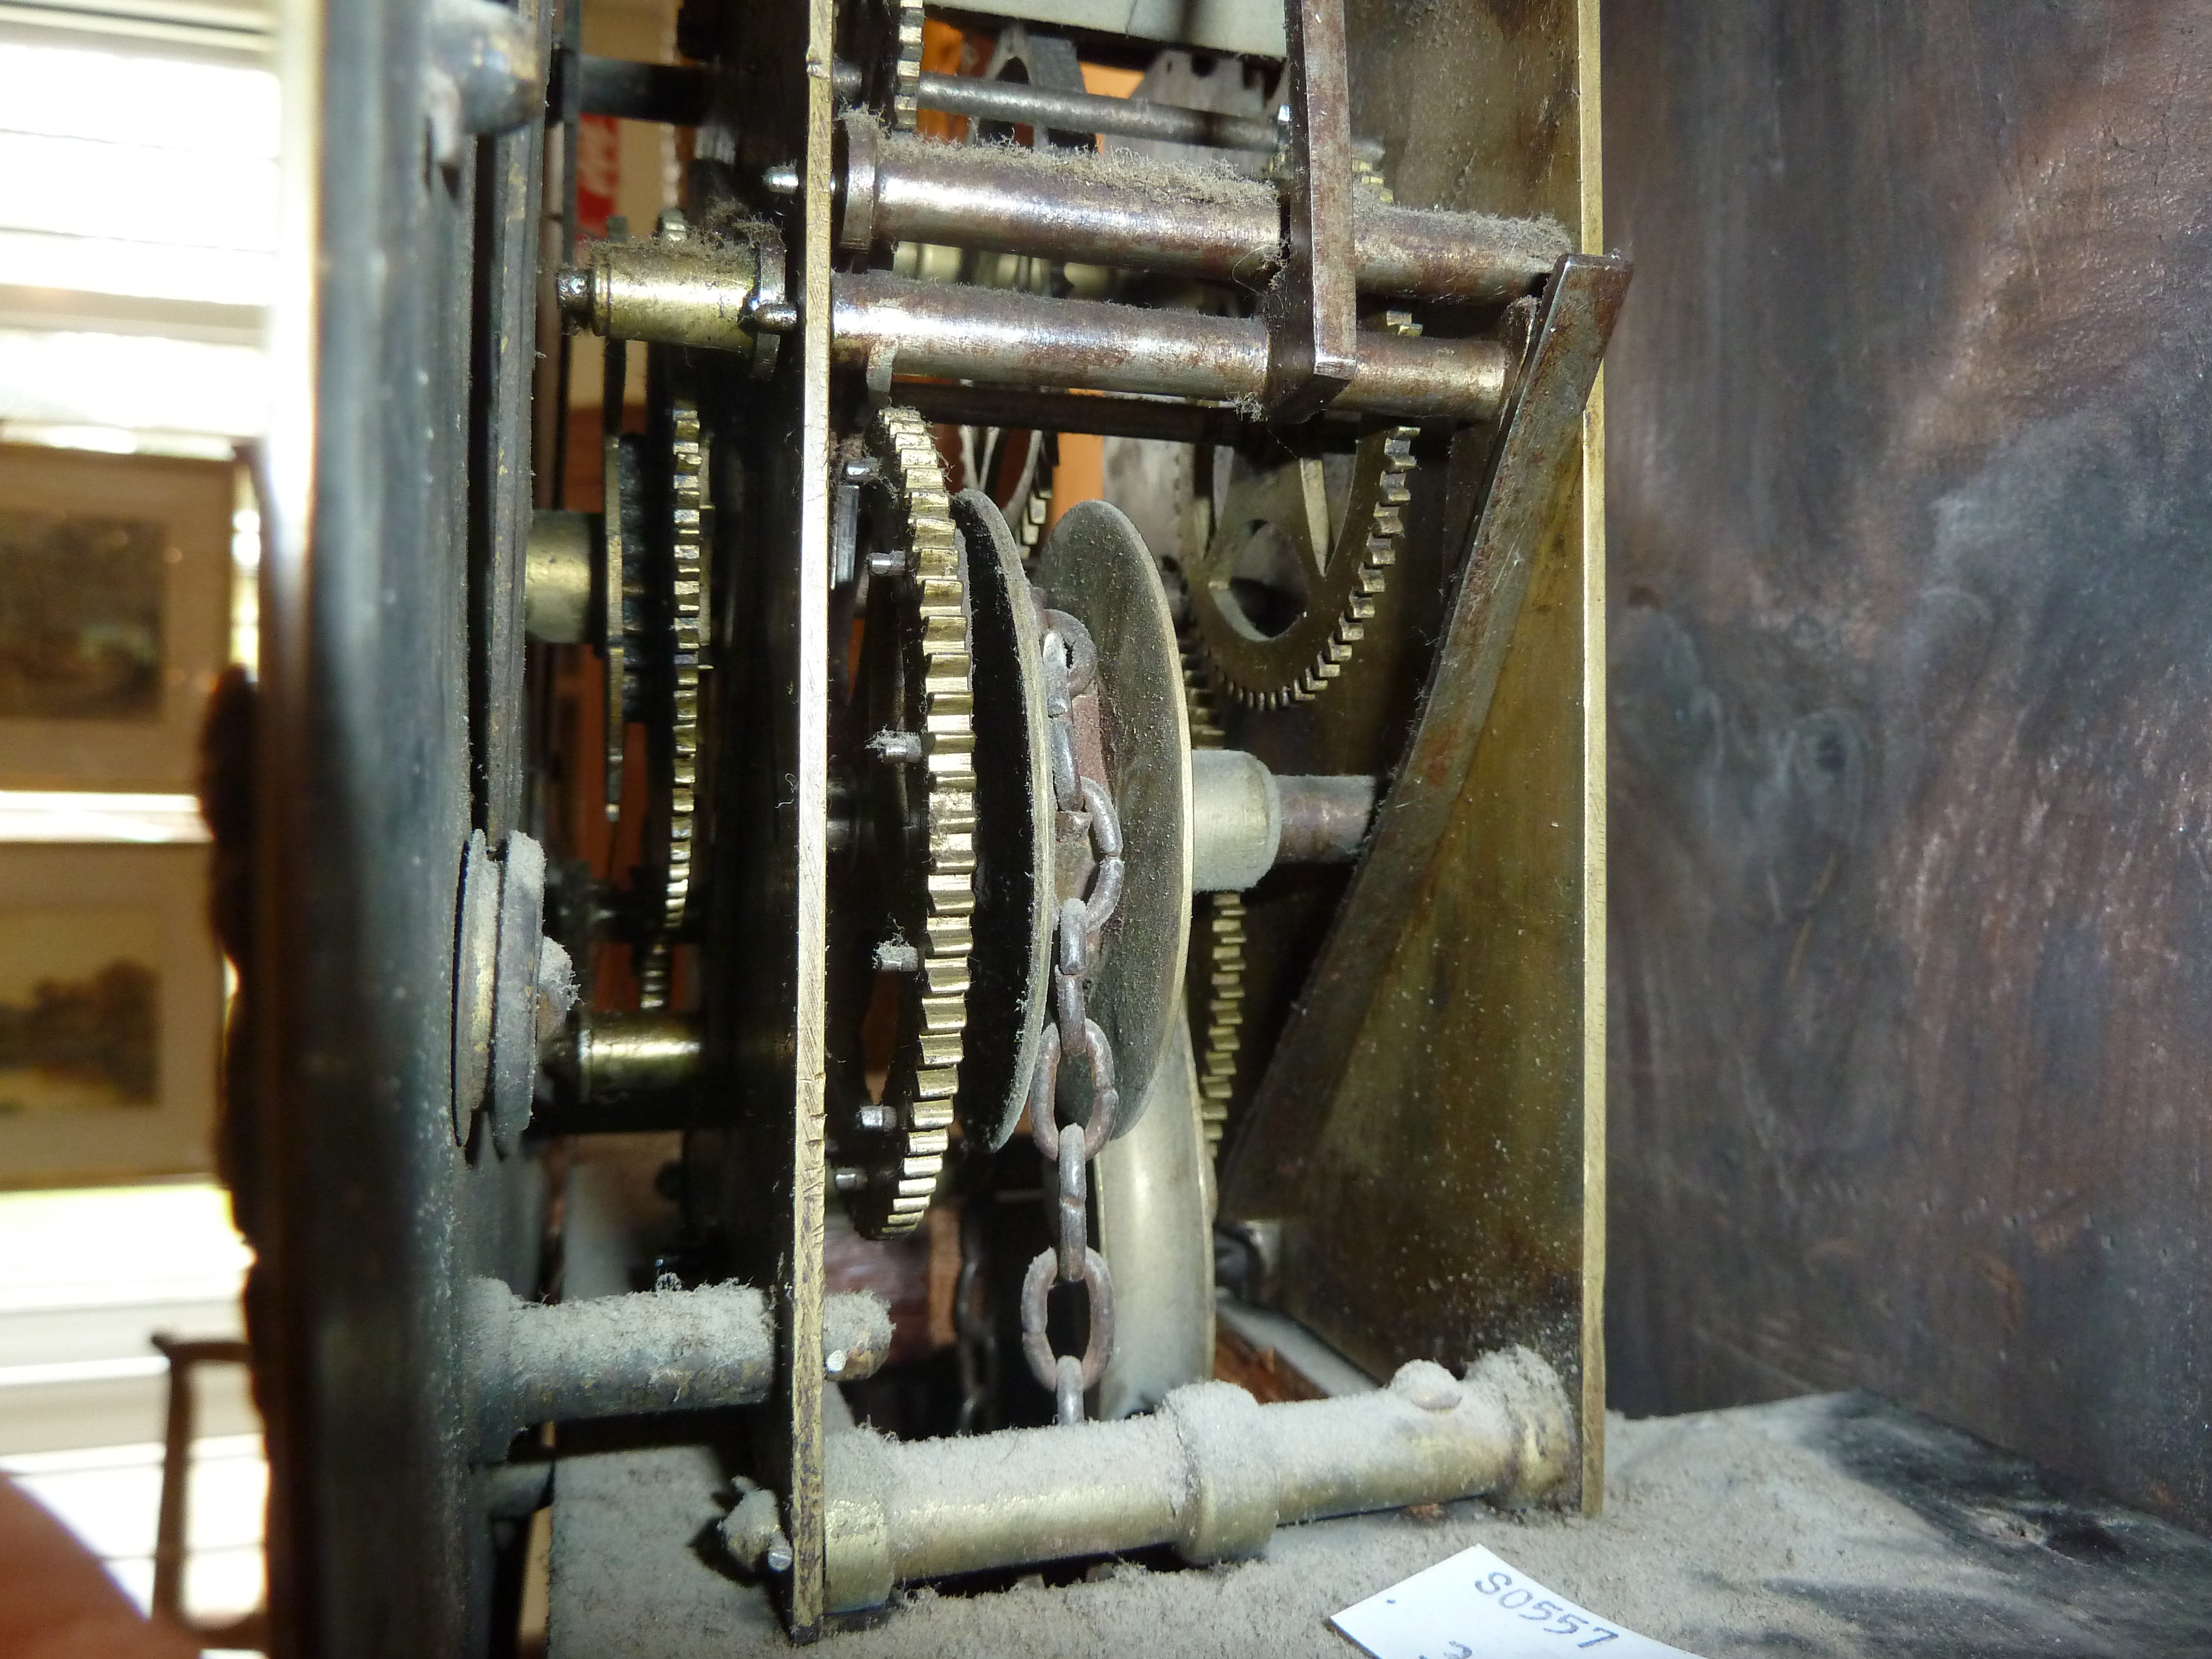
point(138, 201)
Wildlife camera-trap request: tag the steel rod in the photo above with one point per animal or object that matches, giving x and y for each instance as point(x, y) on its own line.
point(1107, 416)
point(677, 94)
point(895, 325)
point(657, 1351)
point(1325, 820)
point(1172, 221)
point(623, 1073)
point(1019, 104)
point(680, 95)
point(1210, 1472)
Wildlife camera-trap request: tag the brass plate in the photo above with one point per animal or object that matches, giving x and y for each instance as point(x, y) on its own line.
point(1450, 1198)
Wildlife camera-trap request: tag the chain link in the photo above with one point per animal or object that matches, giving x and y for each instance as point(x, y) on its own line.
point(1086, 806)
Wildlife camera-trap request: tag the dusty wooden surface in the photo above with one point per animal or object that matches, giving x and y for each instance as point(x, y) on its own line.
point(1911, 514)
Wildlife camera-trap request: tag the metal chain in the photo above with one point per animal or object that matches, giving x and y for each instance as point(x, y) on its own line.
point(1087, 809)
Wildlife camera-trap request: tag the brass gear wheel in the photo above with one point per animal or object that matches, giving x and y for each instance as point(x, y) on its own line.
point(687, 595)
point(906, 82)
point(918, 670)
point(680, 619)
point(1263, 667)
point(1218, 1002)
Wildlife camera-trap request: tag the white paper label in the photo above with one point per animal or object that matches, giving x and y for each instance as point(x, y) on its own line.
point(1475, 1606)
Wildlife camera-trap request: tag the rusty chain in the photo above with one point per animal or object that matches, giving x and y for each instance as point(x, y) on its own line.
point(1086, 810)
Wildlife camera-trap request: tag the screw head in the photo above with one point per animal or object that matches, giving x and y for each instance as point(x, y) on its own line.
point(876, 1118)
point(896, 748)
point(1425, 1383)
point(572, 294)
point(773, 317)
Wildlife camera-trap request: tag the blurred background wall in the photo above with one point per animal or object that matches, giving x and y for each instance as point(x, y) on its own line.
point(1911, 767)
point(140, 192)
point(138, 220)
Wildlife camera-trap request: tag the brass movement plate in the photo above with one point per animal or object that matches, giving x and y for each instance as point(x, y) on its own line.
point(1445, 1194)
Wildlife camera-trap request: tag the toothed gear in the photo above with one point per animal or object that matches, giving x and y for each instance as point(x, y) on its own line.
point(1036, 497)
point(688, 516)
point(1219, 1014)
point(1296, 664)
point(898, 1171)
point(906, 85)
point(678, 619)
point(1224, 1037)
point(624, 595)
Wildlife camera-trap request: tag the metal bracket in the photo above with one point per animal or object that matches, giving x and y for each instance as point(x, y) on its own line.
point(1313, 307)
point(1537, 442)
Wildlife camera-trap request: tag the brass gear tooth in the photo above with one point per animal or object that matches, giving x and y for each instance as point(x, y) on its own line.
point(951, 894)
point(949, 758)
point(950, 675)
point(1223, 917)
point(908, 1170)
point(953, 853)
point(687, 598)
point(1270, 677)
point(652, 975)
point(946, 979)
point(905, 80)
point(951, 874)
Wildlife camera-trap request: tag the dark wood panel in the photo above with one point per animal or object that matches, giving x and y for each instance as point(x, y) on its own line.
point(1910, 512)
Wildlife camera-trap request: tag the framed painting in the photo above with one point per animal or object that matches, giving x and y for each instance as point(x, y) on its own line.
point(114, 616)
point(111, 1013)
